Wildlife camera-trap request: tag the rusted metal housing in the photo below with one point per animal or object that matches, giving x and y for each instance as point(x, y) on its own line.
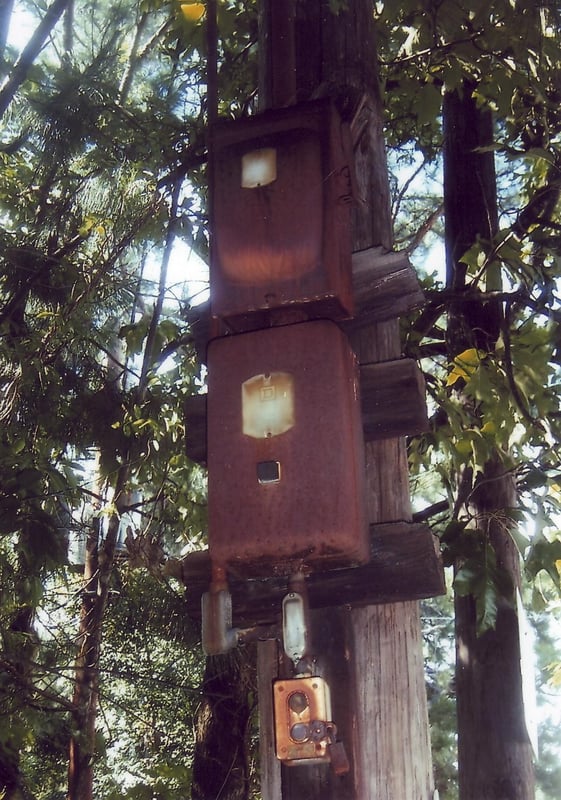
point(292, 498)
point(302, 717)
point(282, 241)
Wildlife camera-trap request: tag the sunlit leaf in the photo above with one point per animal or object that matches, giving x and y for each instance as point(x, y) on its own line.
point(545, 555)
point(465, 365)
point(193, 11)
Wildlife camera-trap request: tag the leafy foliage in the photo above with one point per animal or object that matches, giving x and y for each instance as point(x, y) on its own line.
point(102, 150)
point(509, 402)
point(100, 129)
point(500, 404)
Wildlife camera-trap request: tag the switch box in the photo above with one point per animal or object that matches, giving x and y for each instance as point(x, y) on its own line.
point(280, 213)
point(285, 452)
point(303, 723)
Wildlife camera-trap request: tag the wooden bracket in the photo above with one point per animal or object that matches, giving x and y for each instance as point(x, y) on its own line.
point(385, 286)
point(393, 399)
point(405, 565)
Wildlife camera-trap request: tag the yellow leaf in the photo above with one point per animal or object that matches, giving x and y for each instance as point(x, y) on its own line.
point(465, 365)
point(555, 670)
point(193, 11)
point(108, 510)
point(489, 429)
point(452, 378)
point(86, 226)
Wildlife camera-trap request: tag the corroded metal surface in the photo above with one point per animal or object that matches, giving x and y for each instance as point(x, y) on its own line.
point(294, 501)
point(285, 243)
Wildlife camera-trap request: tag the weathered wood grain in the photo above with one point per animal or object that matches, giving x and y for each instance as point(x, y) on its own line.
point(392, 399)
point(405, 565)
point(385, 286)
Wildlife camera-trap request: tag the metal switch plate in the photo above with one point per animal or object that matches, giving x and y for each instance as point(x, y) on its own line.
point(302, 720)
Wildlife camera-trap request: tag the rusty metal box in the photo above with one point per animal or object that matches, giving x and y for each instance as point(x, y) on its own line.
point(280, 215)
point(285, 451)
point(302, 720)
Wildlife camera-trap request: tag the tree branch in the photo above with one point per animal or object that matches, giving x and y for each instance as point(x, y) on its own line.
point(441, 507)
point(442, 298)
point(534, 423)
point(427, 226)
point(30, 52)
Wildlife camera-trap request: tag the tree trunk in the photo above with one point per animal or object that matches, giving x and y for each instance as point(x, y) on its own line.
point(19, 71)
point(494, 752)
point(84, 698)
point(470, 210)
point(97, 575)
point(100, 560)
point(6, 9)
point(221, 764)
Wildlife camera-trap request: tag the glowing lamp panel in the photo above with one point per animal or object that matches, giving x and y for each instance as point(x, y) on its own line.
point(259, 168)
point(285, 464)
point(267, 405)
point(268, 211)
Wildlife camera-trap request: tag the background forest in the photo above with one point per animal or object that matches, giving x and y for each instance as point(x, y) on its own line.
point(102, 236)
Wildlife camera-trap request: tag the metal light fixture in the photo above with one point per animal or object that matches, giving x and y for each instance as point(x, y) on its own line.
point(303, 723)
point(268, 405)
point(218, 635)
point(280, 205)
point(285, 452)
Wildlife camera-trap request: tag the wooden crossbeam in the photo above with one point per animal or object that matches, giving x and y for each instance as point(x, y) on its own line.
point(405, 565)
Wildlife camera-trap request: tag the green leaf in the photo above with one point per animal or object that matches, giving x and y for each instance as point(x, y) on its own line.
point(545, 555)
point(466, 579)
point(135, 334)
point(535, 478)
point(486, 604)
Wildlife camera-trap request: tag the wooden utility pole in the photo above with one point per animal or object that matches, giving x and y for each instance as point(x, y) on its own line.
point(365, 628)
point(372, 656)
